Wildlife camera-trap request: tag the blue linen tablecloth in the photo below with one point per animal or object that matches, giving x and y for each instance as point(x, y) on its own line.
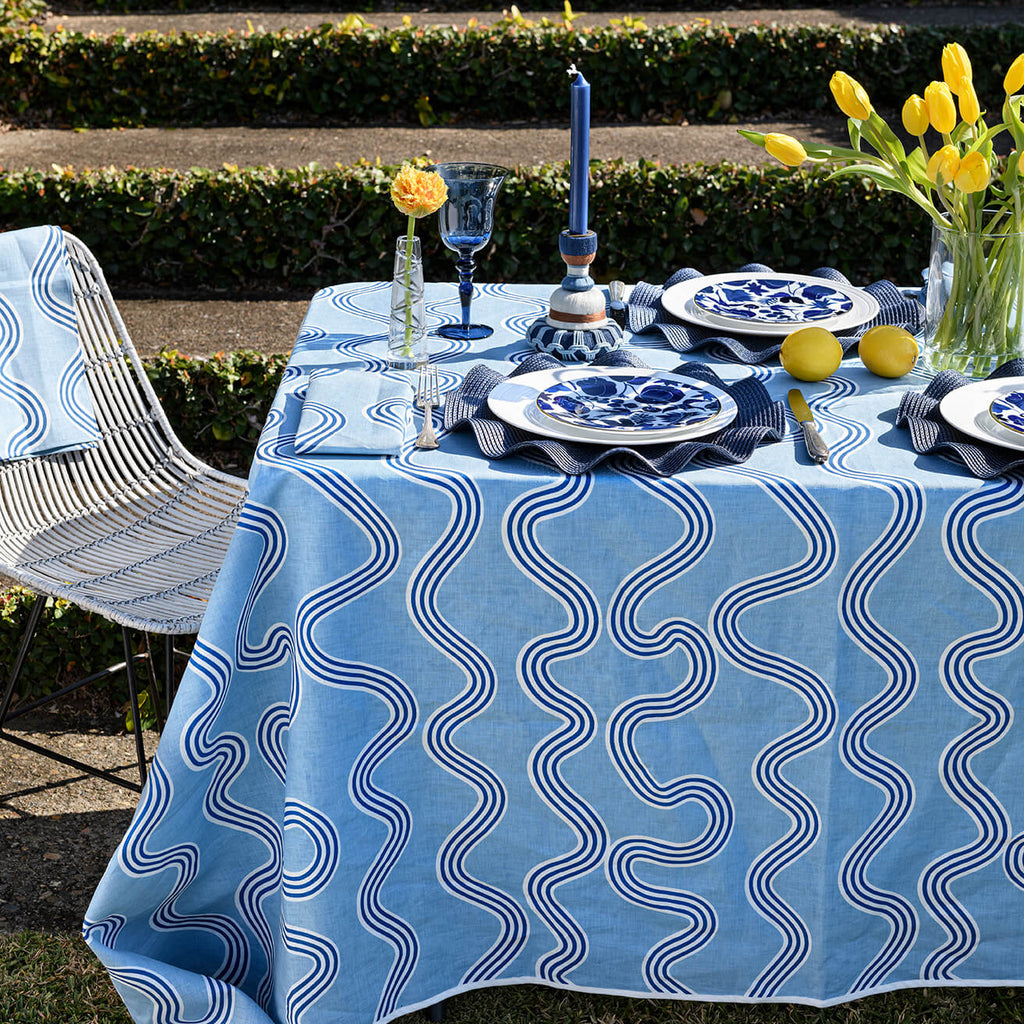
point(743, 733)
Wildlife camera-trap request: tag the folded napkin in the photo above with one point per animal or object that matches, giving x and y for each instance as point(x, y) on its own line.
point(645, 313)
point(930, 434)
point(45, 403)
point(354, 412)
point(759, 420)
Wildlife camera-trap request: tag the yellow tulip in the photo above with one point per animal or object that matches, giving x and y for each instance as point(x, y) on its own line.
point(943, 166)
point(850, 96)
point(970, 111)
point(1014, 80)
point(785, 148)
point(939, 102)
point(956, 65)
point(915, 115)
point(974, 173)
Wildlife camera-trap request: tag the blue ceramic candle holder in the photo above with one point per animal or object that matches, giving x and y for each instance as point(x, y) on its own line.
point(577, 327)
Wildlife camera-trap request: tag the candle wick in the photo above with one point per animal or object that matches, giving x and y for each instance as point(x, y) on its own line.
point(572, 70)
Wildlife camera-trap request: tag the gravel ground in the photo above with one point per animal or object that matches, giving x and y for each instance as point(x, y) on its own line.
point(58, 826)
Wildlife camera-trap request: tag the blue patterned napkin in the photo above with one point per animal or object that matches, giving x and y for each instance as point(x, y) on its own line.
point(45, 403)
point(645, 313)
point(758, 421)
point(930, 434)
point(354, 412)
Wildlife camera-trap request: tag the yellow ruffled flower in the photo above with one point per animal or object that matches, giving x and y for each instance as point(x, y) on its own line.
point(970, 110)
point(915, 115)
point(850, 96)
point(943, 166)
point(1014, 80)
point(785, 149)
point(941, 112)
point(956, 66)
point(418, 193)
point(973, 174)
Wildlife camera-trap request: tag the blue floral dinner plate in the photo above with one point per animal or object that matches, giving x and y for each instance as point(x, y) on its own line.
point(1008, 410)
point(779, 300)
point(640, 402)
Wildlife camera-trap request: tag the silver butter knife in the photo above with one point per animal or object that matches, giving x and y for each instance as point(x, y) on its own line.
point(816, 447)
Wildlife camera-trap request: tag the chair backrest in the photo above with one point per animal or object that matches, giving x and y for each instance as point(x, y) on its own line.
point(139, 475)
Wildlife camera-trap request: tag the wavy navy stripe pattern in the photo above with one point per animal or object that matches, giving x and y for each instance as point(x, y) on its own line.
point(45, 403)
point(901, 681)
point(626, 720)
point(804, 818)
point(536, 671)
point(583, 735)
point(994, 714)
point(439, 735)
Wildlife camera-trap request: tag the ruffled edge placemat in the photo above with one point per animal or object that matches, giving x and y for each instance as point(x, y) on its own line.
point(644, 312)
point(759, 420)
point(930, 434)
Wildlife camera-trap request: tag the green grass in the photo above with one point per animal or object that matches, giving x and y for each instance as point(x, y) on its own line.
point(55, 979)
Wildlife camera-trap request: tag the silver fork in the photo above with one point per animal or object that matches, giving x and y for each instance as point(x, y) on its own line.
point(428, 398)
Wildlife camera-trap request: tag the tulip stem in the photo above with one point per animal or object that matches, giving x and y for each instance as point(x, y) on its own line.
point(410, 233)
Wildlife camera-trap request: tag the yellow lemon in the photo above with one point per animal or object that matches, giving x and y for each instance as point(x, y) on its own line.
point(888, 351)
point(811, 353)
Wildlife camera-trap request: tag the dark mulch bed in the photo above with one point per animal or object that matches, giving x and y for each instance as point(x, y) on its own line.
point(59, 827)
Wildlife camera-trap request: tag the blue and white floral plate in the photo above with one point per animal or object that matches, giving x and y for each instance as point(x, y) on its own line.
point(1008, 410)
point(769, 303)
point(987, 410)
point(643, 401)
point(612, 405)
point(783, 300)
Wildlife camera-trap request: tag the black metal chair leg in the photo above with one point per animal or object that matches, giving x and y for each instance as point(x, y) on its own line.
point(6, 715)
point(133, 697)
point(34, 615)
point(170, 690)
point(435, 1013)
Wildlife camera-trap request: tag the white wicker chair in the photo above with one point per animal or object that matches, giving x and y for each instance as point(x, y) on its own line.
point(135, 529)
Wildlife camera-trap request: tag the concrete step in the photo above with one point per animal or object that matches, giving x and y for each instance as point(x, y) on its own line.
point(203, 328)
point(925, 13)
point(510, 145)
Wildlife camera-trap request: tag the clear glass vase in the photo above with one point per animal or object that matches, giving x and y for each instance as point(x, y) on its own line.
point(407, 329)
point(974, 300)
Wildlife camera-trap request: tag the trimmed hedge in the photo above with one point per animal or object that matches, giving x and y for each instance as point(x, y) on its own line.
point(292, 231)
point(500, 73)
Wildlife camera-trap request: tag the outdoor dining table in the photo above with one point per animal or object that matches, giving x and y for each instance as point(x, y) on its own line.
point(741, 733)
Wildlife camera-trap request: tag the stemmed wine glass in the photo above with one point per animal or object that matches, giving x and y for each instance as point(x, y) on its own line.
point(466, 220)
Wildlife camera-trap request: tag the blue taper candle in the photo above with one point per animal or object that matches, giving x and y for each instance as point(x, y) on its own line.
point(579, 152)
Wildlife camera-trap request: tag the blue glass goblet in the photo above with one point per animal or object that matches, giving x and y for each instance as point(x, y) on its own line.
point(466, 220)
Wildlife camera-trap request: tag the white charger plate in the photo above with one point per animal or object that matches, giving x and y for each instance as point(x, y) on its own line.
point(679, 301)
point(968, 409)
point(515, 401)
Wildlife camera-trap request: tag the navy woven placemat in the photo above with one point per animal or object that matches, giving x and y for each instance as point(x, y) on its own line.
point(758, 421)
point(930, 434)
point(645, 313)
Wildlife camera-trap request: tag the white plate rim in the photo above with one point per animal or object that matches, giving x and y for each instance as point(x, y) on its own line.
point(692, 383)
point(680, 304)
point(967, 409)
point(515, 410)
